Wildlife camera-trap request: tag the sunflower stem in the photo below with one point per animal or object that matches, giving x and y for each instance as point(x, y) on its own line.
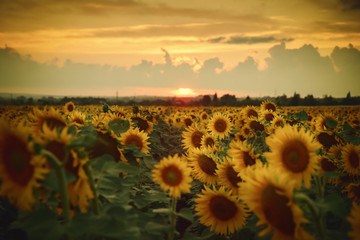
point(61, 177)
point(95, 201)
point(172, 217)
point(315, 212)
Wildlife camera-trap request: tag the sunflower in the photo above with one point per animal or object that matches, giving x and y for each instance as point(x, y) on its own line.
point(249, 112)
point(242, 155)
point(219, 125)
point(327, 139)
point(173, 175)
point(77, 118)
point(268, 106)
point(69, 107)
point(142, 123)
point(220, 210)
point(20, 169)
point(268, 115)
point(293, 152)
point(79, 190)
point(228, 177)
point(137, 138)
point(192, 137)
point(107, 143)
point(270, 196)
point(335, 151)
point(353, 190)
point(351, 159)
point(208, 140)
point(255, 125)
point(52, 118)
point(203, 165)
point(354, 220)
point(320, 121)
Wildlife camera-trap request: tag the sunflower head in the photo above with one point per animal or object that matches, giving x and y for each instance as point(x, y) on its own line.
point(268, 106)
point(69, 107)
point(351, 159)
point(137, 138)
point(220, 210)
point(228, 176)
point(219, 125)
point(50, 117)
point(173, 175)
point(242, 155)
point(192, 137)
point(204, 165)
point(142, 123)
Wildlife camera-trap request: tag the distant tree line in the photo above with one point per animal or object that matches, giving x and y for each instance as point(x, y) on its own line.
point(205, 100)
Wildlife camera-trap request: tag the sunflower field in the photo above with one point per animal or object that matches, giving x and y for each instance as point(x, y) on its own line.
point(133, 172)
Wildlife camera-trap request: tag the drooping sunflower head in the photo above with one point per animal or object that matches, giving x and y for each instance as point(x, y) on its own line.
point(142, 123)
point(242, 155)
point(107, 143)
point(192, 137)
point(293, 152)
point(228, 176)
point(353, 190)
point(327, 139)
point(219, 125)
point(173, 175)
point(69, 107)
point(203, 165)
point(351, 159)
point(269, 195)
point(220, 210)
point(20, 169)
point(51, 117)
point(137, 138)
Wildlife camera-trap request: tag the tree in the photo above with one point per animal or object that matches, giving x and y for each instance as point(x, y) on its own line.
point(295, 100)
point(228, 100)
point(206, 100)
point(309, 100)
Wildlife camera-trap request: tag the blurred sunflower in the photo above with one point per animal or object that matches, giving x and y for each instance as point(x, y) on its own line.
point(107, 143)
point(69, 107)
point(354, 220)
point(77, 118)
point(192, 137)
point(268, 115)
point(327, 139)
point(79, 190)
point(249, 112)
point(353, 190)
point(293, 153)
point(137, 138)
point(208, 140)
point(270, 196)
point(242, 155)
point(142, 123)
point(219, 125)
point(173, 175)
point(351, 159)
point(228, 177)
point(20, 169)
point(220, 210)
point(203, 165)
point(268, 105)
point(51, 117)
point(320, 121)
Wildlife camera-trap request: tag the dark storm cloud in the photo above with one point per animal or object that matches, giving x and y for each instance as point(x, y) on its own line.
point(247, 40)
point(302, 70)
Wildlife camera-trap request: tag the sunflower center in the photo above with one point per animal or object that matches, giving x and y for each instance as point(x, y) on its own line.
point(135, 140)
point(269, 117)
point(209, 142)
point(222, 208)
point(295, 156)
point(327, 140)
point(276, 210)
point(220, 125)
point(171, 175)
point(270, 106)
point(207, 164)
point(53, 122)
point(255, 125)
point(327, 165)
point(196, 138)
point(232, 176)
point(17, 159)
point(354, 159)
point(248, 160)
point(142, 124)
point(70, 108)
point(188, 122)
point(78, 120)
point(252, 113)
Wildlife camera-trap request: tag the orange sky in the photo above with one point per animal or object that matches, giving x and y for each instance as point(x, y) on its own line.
point(125, 33)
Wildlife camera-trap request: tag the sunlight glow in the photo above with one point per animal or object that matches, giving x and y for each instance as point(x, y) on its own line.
point(184, 91)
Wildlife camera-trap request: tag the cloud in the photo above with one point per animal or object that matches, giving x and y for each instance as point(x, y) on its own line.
point(302, 70)
point(247, 40)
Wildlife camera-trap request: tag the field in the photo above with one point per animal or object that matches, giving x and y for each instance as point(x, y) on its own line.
point(155, 172)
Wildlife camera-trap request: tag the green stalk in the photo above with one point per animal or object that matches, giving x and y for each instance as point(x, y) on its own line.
point(315, 212)
point(95, 201)
point(172, 217)
point(61, 177)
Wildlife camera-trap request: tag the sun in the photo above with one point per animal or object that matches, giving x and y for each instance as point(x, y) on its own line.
point(184, 91)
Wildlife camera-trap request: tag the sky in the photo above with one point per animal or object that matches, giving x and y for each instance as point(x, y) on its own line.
point(250, 48)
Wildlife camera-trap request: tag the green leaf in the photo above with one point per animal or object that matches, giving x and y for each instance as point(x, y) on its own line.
point(50, 181)
point(157, 228)
point(162, 210)
point(119, 126)
point(83, 141)
point(335, 204)
point(187, 214)
point(301, 116)
point(330, 123)
point(334, 174)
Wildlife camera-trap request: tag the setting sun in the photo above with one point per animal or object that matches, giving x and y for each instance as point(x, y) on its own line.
point(184, 91)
